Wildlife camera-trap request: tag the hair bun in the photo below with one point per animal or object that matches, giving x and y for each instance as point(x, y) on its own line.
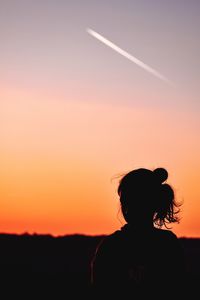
point(161, 174)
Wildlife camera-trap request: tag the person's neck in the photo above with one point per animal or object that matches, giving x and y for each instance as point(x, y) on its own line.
point(141, 227)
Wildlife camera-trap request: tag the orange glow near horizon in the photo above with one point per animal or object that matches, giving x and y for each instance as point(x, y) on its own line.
point(74, 114)
point(58, 159)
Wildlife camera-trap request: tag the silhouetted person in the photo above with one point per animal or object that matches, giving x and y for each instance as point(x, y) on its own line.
point(142, 260)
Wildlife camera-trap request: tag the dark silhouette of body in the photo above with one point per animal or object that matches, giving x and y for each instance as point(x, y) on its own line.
point(141, 259)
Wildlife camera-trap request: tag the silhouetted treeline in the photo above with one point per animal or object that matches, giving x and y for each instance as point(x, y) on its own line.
point(44, 266)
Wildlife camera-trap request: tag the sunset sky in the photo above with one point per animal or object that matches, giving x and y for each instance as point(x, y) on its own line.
point(74, 114)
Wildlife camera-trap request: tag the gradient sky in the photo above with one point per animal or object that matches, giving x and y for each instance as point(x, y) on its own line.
point(74, 114)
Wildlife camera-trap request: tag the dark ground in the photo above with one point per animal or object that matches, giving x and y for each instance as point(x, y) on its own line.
point(43, 266)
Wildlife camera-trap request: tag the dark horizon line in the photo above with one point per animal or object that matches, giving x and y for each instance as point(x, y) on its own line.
point(71, 235)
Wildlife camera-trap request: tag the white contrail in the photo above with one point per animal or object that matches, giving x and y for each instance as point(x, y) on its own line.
point(127, 55)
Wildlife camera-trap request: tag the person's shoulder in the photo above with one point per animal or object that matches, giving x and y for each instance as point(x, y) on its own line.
point(172, 235)
point(112, 237)
point(167, 233)
point(109, 240)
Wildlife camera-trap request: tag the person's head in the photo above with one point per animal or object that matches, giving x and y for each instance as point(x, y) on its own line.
point(145, 197)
